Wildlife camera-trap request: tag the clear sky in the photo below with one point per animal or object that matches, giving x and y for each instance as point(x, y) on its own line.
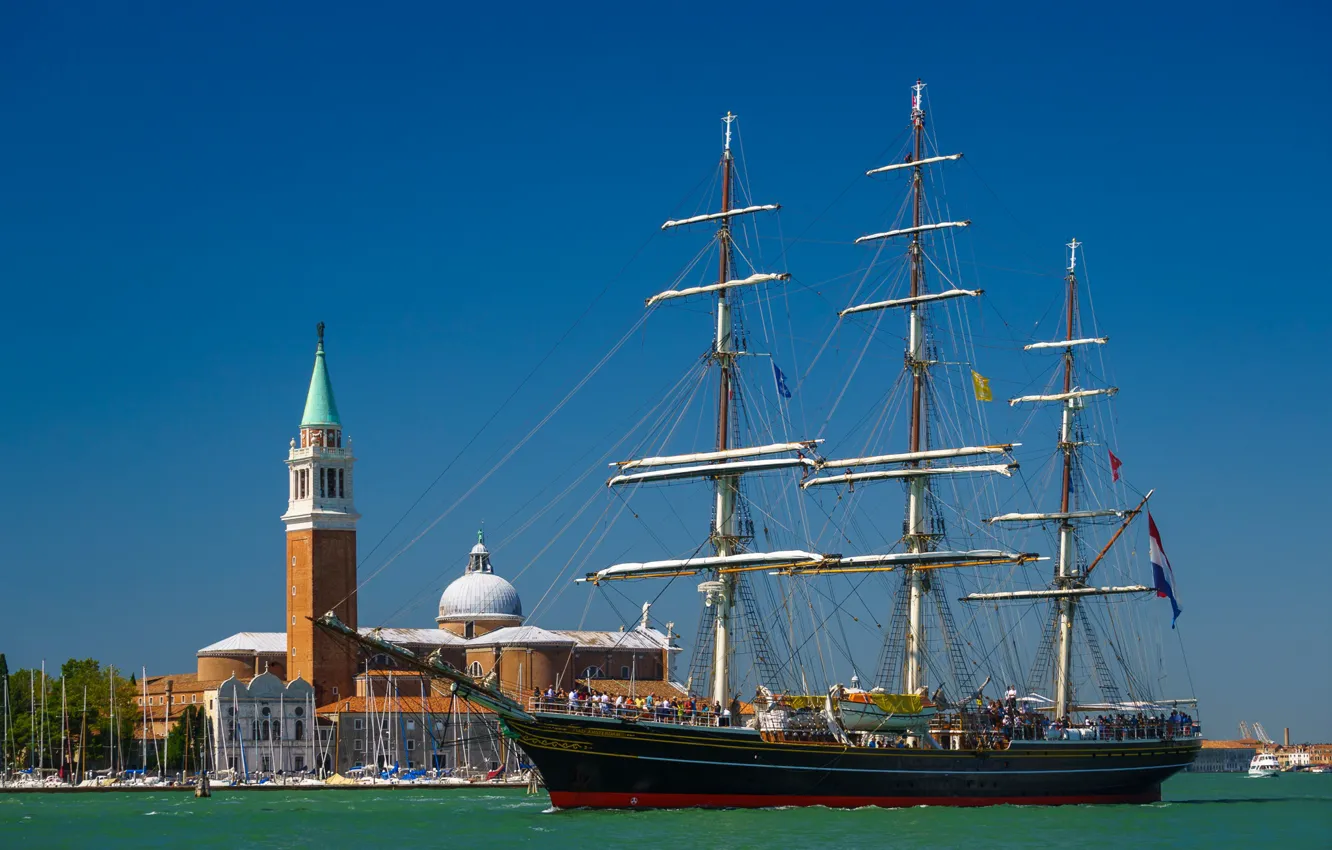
point(187, 190)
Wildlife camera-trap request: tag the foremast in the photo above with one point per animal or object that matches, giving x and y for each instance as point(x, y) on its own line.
point(725, 539)
point(729, 461)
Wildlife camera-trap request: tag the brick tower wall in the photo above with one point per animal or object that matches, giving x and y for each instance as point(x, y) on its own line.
point(321, 577)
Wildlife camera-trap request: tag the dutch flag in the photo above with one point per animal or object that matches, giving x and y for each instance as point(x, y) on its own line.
point(1161, 572)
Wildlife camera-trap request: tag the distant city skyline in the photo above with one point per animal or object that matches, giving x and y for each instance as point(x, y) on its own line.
point(470, 200)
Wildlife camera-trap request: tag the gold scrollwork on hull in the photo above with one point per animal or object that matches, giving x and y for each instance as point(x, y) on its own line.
point(554, 743)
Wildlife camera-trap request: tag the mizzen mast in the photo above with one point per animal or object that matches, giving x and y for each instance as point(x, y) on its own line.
point(1069, 580)
point(1067, 564)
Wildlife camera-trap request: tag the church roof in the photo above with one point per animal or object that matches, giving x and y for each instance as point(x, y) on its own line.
point(477, 596)
point(637, 638)
point(320, 407)
point(262, 643)
point(522, 636)
point(406, 705)
point(426, 637)
point(478, 593)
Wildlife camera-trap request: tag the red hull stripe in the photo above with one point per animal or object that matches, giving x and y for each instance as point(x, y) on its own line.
point(615, 800)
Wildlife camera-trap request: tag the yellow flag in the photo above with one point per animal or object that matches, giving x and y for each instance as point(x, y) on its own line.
point(982, 386)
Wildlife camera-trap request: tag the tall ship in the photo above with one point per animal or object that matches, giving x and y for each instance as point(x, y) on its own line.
point(1011, 664)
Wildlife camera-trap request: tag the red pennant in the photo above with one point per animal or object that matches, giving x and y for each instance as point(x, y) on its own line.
point(1115, 464)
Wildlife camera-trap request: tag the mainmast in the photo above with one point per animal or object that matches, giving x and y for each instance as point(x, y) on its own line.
point(921, 462)
point(917, 538)
point(724, 537)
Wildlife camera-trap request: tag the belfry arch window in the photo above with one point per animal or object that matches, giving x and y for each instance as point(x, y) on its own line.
point(474, 669)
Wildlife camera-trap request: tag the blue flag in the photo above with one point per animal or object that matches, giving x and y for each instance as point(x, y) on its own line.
point(782, 389)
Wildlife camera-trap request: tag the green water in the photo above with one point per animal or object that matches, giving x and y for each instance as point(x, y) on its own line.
point(1200, 810)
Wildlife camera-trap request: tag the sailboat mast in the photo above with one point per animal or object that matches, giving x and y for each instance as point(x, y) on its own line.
point(917, 540)
point(1067, 566)
point(4, 747)
point(83, 738)
point(64, 729)
point(143, 742)
point(724, 529)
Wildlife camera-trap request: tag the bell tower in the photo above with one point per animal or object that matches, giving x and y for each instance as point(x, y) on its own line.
point(321, 542)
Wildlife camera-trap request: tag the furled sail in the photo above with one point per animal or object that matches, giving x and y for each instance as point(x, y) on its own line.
point(929, 160)
point(918, 560)
point(715, 287)
point(929, 454)
point(703, 457)
point(906, 302)
point(1005, 469)
point(907, 231)
point(712, 470)
point(714, 216)
point(1055, 593)
point(1060, 515)
point(688, 566)
point(1067, 343)
point(1063, 396)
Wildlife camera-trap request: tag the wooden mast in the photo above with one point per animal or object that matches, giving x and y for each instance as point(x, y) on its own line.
point(1066, 568)
point(917, 539)
point(724, 533)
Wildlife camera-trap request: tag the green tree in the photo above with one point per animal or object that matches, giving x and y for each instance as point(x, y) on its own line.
point(89, 732)
point(189, 729)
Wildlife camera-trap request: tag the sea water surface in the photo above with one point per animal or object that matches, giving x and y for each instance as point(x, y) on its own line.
point(1199, 810)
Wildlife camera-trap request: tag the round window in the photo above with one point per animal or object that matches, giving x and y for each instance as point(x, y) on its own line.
point(267, 711)
point(300, 712)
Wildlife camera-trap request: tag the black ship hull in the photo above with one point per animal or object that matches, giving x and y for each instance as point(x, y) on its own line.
point(589, 762)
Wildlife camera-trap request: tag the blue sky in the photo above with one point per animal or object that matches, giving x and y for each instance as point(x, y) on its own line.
point(188, 191)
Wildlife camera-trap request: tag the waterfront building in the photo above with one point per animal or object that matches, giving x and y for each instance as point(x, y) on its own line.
point(162, 700)
point(266, 726)
point(480, 627)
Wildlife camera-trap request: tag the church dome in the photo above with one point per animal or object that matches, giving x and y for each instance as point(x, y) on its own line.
point(479, 594)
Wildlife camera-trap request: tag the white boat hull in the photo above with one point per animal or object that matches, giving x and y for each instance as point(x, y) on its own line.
point(867, 717)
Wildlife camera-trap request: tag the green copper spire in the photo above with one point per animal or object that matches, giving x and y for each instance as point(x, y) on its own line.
point(321, 411)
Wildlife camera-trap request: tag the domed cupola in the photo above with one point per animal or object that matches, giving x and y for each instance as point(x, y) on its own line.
point(479, 601)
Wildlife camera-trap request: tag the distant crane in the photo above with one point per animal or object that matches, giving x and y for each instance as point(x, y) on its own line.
point(1261, 733)
point(1245, 734)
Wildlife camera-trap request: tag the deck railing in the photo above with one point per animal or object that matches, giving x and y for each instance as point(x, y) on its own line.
point(656, 713)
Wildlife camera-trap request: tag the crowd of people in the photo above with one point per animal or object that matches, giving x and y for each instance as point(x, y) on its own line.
point(592, 703)
point(1014, 719)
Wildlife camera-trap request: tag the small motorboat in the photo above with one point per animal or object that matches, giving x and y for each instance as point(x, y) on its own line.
point(1263, 766)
